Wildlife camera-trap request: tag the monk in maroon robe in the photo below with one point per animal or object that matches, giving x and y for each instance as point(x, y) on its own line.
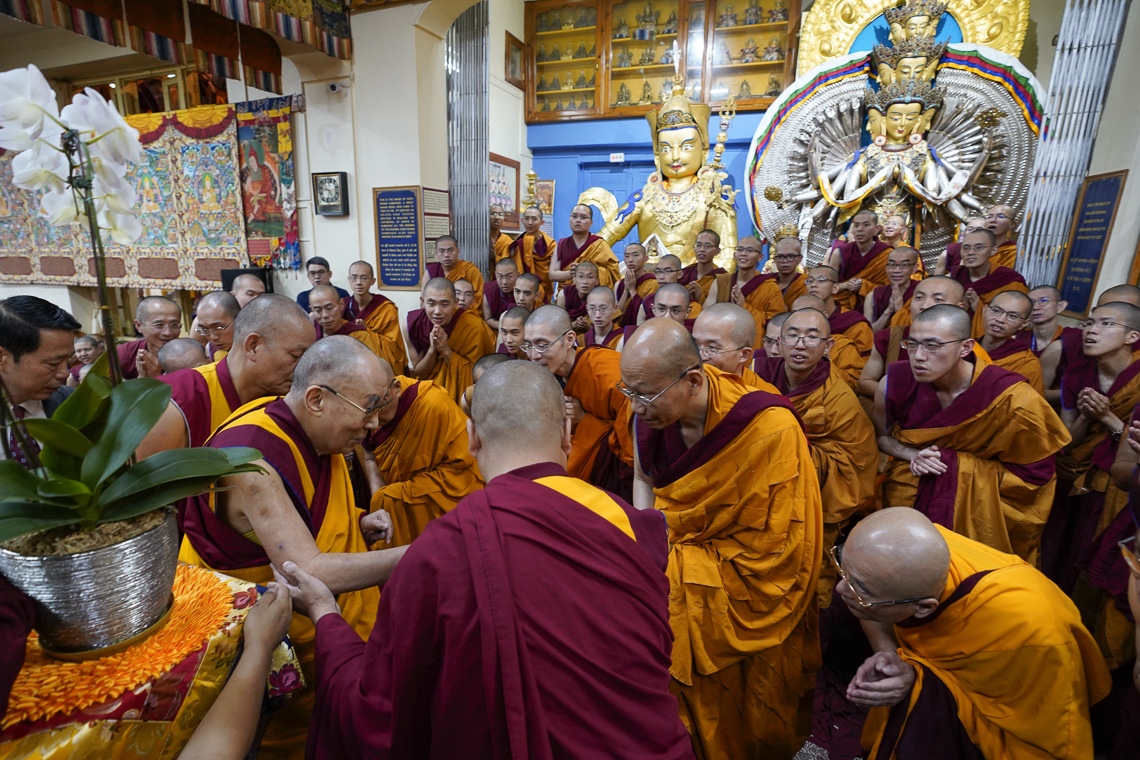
point(529, 622)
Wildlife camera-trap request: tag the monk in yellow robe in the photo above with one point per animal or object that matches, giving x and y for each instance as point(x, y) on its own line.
point(637, 284)
point(601, 451)
point(602, 310)
point(376, 312)
point(981, 278)
point(745, 551)
point(1098, 398)
point(448, 264)
point(668, 272)
point(423, 466)
point(972, 445)
point(582, 246)
point(443, 340)
point(976, 653)
point(842, 437)
point(861, 260)
point(1001, 220)
point(534, 249)
point(787, 256)
point(845, 356)
point(889, 305)
point(270, 335)
point(299, 505)
point(747, 287)
point(327, 309)
point(724, 334)
point(698, 277)
point(1006, 342)
point(500, 241)
point(822, 283)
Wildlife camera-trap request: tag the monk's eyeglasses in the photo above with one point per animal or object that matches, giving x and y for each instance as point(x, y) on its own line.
point(542, 348)
point(787, 256)
point(901, 264)
point(647, 400)
point(809, 341)
point(1013, 316)
point(708, 352)
point(837, 559)
point(1131, 558)
point(660, 270)
point(371, 411)
point(929, 346)
point(813, 280)
point(1101, 323)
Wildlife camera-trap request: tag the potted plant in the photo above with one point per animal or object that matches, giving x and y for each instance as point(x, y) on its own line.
point(86, 532)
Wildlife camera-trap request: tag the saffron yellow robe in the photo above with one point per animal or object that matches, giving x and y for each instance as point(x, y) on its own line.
point(1024, 363)
point(599, 253)
point(423, 458)
point(539, 264)
point(847, 360)
point(743, 566)
point(762, 302)
point(593, 381)
point(500, 249)
point(288, 451)
point(469, 340)
point(795, 289)
point(1012, 652)
point(1000, 440)
point(384, 320)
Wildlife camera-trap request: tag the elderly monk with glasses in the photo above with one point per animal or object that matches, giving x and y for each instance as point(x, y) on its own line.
point(601, 452)
point(976, 654)
point(299, 505)
point(744, 551)
point(972, 445)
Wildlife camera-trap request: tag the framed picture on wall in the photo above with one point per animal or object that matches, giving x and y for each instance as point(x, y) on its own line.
point(504, 188)
point(513, 65)
point(330, 193)
point(544, 192)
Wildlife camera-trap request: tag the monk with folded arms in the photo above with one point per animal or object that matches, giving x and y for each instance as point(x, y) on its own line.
point(328, 314)
point(977, 654)
point(745, 551)
point(443, 340)
point(725, 334)
point(698, 277)
point(376, 312)
point(270, 335)
point(581, 246)
point(530, 621)
point(420, 467)
point(1006, 342)
point(973, 446)
point(636, 285)
point(448, 264)
point(841, 436)
point(889, 305)
point(747, 286)
point(299, 505)
point(601, 452)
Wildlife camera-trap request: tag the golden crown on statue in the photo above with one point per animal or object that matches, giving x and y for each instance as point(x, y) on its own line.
point(786, 231)
point(928, 8)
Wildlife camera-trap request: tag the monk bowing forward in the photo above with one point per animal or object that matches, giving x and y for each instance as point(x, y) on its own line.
point(745, 551)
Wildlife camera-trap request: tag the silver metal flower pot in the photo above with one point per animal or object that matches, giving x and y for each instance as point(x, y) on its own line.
point(93, 602)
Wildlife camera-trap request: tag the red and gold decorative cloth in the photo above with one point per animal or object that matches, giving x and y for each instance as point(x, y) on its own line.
point(147, 700)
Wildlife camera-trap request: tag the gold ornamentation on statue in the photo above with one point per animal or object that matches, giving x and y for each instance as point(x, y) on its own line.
point(831, 26)
point(786, 231)
point(989, 118)
point(911, 59)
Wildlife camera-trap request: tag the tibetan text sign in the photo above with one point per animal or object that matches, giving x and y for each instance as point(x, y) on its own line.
point(399, 236)
point(1088, 239)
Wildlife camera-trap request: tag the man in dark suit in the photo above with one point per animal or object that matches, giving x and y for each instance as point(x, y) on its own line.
point(36, 339)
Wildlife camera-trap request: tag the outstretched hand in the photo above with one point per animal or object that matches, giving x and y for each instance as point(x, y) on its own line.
point(310, 596)
point(883, 680)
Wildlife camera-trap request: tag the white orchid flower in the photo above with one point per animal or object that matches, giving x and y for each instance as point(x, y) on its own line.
point(116, 195)
point(124, 228)
point(102, 128)
point(40, 167)
point(27, 108)
point(62, 207)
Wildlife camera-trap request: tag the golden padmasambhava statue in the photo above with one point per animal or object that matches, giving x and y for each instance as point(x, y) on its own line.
point(684, 195)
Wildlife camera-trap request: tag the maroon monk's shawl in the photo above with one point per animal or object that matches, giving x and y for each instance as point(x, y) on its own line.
point(420, 327)
point(568, 253)
point(407, 397)
point(435, 269)
point(881, 298)
point(852, 262)
point(772, 370)
point(842, 321)
point(189, 390)
point(629, 314)
point(1014, 345)
point(997, 279)
point(17, 617)
point(353, 312)
point(747, 288)
point(575, 304)
point(496, 299)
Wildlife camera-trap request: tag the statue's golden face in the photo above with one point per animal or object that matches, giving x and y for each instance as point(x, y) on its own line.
point(910, 68)
point(901, 120)
point(916, 26)
point(679, 152)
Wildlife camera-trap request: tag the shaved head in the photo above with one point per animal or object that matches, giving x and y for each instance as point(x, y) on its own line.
point(809, 318)
point(602, 292)
point(660, 348)
point(221, 301)
point(1017, 300)
point(1124, 312)
point(516, 312)
point(555, 318)
point(1122, 293)
point(270, 316)
point(182, 353)
point(485, 363)
point(778, 320)
point(332, 360)
point(1046, 290)
point(935, 290)
point(807, 302)
point(325, 291)
point(740, 324)
point(518, 406)
point(955, 319)
point(669, 260)
point(440, 285)
point(897, 553)
point(154, 304)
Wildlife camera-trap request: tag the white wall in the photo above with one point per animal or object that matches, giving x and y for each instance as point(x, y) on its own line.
point(507, 126)
point(1118, 147)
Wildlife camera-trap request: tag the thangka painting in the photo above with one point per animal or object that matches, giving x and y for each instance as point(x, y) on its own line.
point(268, 190)
point(189, 204)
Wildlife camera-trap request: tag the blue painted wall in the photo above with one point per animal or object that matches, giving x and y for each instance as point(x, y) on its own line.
point(576, 155)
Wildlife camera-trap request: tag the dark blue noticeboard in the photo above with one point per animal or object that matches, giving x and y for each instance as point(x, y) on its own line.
point(399, 236)
point(1088, 239)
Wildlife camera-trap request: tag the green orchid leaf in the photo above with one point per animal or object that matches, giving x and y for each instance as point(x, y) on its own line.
point(87, 402)
point(55, 434)
point(135, 407)
point(20, 519)
point(16, 482)
point(60, 465)
point(176, 465)
point(162, 495)
point(64, 488)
